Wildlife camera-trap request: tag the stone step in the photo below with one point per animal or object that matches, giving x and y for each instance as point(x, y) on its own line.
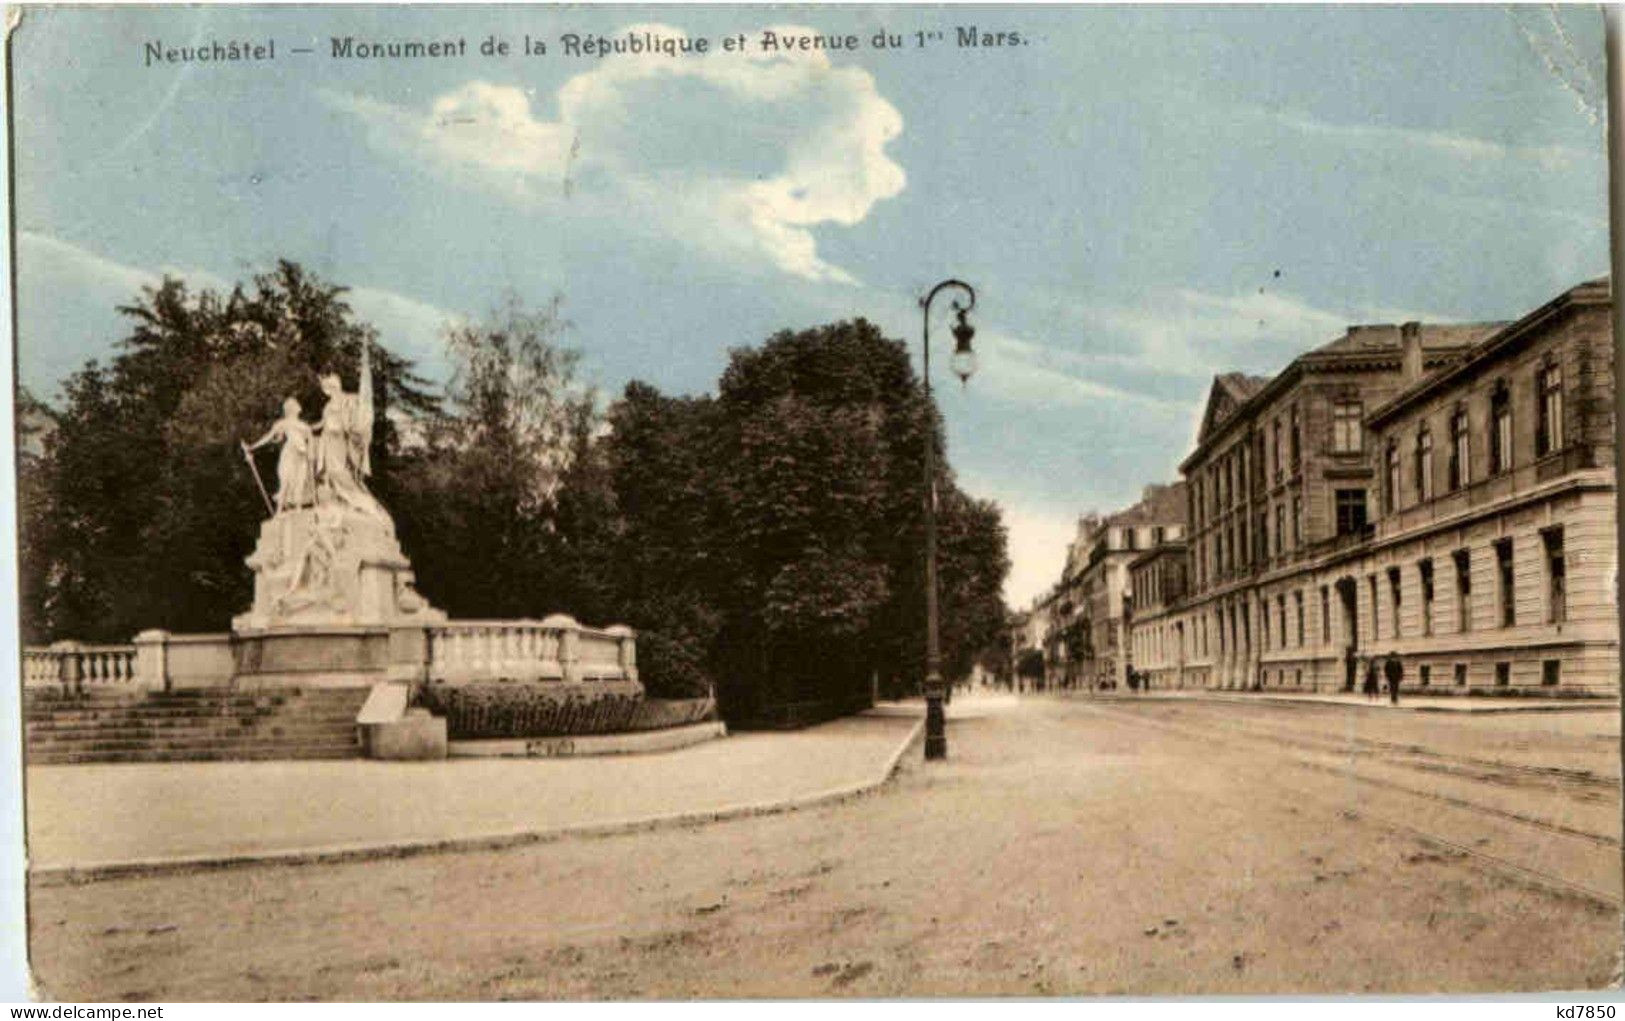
point(192, 725)
point(136, 737)
point(167, 747)
point(189, 706)
point(183, 719)
point(277, 753)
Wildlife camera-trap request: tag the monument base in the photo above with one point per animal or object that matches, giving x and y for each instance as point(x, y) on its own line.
point(318, 569)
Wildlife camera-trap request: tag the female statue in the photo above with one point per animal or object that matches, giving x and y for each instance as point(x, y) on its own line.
point(296, 486)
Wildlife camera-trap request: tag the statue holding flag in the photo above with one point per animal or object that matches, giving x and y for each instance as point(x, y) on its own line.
point(344, 440)
point(328, 554)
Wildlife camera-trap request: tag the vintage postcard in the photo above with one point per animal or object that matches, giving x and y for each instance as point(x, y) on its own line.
point(670, 503)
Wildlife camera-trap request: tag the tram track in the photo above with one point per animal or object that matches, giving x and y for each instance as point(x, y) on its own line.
point(1550, 778)
point(1296, 752)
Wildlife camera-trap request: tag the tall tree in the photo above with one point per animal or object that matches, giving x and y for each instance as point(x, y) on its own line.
point(152, 509)
point(479, 502)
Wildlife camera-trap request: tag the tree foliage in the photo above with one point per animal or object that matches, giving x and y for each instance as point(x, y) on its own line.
point(150, 507)
point(766, 541)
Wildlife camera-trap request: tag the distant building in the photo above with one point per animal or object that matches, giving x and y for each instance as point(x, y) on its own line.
point(1158, 580)
point(1088, 643)
point(1445, 493)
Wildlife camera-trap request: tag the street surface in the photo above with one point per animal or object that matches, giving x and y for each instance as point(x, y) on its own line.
point(1068, 847)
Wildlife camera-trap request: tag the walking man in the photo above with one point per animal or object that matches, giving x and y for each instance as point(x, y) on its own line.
point(1395, 672)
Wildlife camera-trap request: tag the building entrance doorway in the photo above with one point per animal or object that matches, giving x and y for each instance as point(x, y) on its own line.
point(1351, 630)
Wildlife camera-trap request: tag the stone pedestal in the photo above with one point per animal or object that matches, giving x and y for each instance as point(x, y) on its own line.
point(334, 602)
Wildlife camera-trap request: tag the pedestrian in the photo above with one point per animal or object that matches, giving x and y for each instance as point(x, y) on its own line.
point(1371, 692)
point(1395, 672)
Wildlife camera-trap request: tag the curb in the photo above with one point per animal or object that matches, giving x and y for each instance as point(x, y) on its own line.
point(1575, 705)
point(60, 875)
point(1568, 706)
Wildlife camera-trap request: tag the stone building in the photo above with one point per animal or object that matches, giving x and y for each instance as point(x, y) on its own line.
point(1089, 643)
point(1444, 493)
point(1158, 580)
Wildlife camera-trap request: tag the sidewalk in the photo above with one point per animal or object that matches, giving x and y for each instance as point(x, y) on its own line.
point(1407, 702)
point(106, 819)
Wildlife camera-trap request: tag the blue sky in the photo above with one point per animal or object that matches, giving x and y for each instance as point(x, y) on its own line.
point(1142, 197)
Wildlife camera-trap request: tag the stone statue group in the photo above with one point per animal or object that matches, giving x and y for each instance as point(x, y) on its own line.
point(325, 465)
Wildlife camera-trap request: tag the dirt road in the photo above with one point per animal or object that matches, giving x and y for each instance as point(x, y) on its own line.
point(1065, 848)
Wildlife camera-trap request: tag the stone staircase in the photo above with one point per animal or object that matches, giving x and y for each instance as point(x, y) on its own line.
point(192, 725)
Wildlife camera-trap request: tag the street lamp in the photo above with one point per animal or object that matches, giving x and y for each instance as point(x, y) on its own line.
point(963, 364)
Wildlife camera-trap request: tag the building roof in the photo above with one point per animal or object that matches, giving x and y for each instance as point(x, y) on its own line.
point(1160, 504)
point(1495, 341)
point(1385, 338)
point(1240, 385)
point(1365, 346)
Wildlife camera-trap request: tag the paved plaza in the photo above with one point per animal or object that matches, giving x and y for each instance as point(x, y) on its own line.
point(102, 816)
point(1067, 846)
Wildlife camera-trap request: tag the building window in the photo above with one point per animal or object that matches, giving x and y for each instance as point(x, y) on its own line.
point(1551, 672)
point(1295, 447)
point(1297, 521)
point(1424, 465)
point(1325, 615)
point(1280, 605)
point(1503, 674)
point(1371, 585)
point(1280, 528)
point(1280, 452)
point(1424, 675)
point(1461, 675)
point(1503, 572)
point(1298, 598)
point(1500, 430)
point(1464, 590)
point(1346, 431)
point(1460, 450)
point(1264, 625)
point(1393, 600)
point(1350, 511)
point(1390, 478)
point(1424, 573)
point(1549, 431)
point(1556, 576)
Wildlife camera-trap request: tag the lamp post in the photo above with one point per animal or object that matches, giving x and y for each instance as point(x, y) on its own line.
point(964, 365)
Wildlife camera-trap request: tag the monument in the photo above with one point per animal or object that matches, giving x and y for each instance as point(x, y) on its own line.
point(332, 587)
point(335, 606)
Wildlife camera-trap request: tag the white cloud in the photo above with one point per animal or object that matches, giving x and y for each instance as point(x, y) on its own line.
point(1018, 370)
point(739, 154)
point(42, 254)
point(1462, 147)
point(413, 328)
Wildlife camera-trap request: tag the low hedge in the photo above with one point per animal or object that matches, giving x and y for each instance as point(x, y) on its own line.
point(663, 713)
point(529, 709)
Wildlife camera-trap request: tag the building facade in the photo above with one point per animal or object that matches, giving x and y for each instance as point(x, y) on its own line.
point(1442, 493)
point(1089, 610)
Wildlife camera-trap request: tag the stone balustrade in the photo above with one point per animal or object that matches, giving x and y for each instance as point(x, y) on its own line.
point(554, 648)
point(71, 666)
